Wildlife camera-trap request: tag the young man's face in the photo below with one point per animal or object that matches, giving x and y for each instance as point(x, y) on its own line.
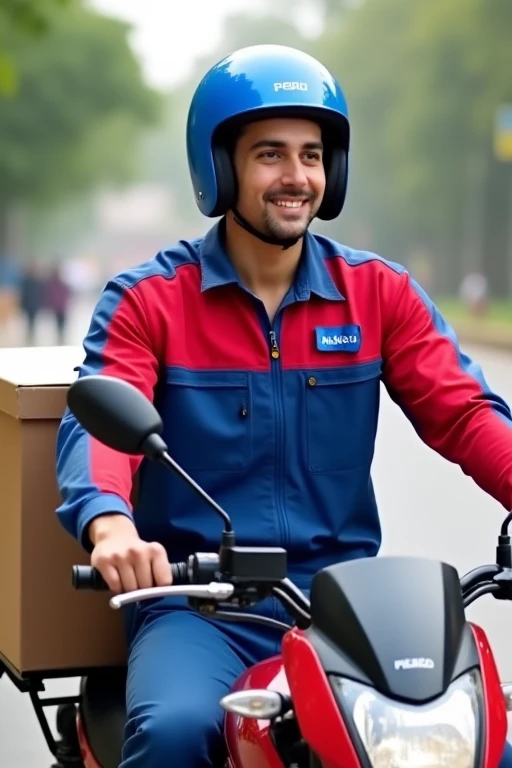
point(280, 173)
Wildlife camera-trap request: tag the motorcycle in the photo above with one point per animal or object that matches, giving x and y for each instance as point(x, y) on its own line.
point(379, 668)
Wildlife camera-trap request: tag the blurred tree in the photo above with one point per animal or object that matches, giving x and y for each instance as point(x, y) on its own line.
point(443, 128)
point(423, 80)
point(76, 114)
point(20, 17)
point(367, 52)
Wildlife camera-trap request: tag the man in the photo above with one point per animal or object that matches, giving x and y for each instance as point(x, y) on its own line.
point(263, 347)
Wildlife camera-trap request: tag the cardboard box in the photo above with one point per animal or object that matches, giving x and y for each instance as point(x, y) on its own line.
point(45, 625)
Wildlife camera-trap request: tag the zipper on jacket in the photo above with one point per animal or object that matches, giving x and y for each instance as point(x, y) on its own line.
point(277, 391)
point(274, 348)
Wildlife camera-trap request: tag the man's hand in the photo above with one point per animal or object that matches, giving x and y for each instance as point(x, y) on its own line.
point(123, 559)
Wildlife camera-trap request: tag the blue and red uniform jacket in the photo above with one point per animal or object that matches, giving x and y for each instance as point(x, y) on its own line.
point(277, 422)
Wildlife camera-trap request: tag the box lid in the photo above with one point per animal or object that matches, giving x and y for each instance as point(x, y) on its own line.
point(34, 380)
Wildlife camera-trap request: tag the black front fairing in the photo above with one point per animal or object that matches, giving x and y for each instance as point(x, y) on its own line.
point(395, 623)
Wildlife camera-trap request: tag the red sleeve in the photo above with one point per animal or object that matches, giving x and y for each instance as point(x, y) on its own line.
point(127, 353)
point(94, 479)
point(444, 393)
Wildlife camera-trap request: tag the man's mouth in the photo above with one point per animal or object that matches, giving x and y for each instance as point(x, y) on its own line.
point(289, 203)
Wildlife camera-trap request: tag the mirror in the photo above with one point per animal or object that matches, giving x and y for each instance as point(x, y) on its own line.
point(114, 412)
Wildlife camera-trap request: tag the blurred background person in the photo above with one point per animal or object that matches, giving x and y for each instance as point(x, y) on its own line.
point(474, 294)
point(32, 299)
point(58, 297)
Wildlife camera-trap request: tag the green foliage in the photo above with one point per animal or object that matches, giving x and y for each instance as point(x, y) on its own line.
point(28, 18)
point(423, 79)
point(74, 116)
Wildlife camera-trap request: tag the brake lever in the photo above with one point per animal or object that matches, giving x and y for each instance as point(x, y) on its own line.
point(213, 591)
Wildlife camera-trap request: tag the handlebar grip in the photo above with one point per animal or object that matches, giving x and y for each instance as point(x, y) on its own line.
point(180, 574)
point(85, 577)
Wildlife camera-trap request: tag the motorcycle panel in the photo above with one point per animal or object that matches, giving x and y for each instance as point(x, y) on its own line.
point(320, 720)
point(250, 743)
point(495, 712)
point(406, 640)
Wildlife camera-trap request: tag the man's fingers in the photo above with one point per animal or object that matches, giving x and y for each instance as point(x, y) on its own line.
point(137, 566)
point(111, 576)
point(128, 578)
point(143, 571)
point(161, 566)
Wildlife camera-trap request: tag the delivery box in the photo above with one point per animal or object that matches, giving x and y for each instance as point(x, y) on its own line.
point(45, 625)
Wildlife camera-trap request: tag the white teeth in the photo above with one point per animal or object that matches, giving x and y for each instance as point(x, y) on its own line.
point(288, 204)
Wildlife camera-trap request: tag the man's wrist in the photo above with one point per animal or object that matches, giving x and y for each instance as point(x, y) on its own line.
point(106, 525)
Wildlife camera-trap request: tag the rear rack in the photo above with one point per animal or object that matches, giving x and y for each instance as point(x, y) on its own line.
point(66, 750)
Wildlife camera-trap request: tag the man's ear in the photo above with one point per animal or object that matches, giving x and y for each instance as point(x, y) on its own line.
point(223, 147)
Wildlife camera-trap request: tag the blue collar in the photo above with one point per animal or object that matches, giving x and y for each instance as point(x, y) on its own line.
point(312, 275)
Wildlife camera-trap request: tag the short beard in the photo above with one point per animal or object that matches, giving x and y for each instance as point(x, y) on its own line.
point(284, 232)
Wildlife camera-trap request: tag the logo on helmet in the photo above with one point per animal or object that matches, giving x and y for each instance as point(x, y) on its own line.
point(290, 86)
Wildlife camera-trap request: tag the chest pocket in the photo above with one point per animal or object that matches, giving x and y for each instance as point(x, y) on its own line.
point(342, 408)
point(207, 419)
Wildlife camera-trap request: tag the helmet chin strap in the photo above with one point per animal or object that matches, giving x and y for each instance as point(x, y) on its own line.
point(284, 242)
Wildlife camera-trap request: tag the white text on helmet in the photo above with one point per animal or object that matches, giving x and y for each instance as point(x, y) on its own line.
point(291, 86)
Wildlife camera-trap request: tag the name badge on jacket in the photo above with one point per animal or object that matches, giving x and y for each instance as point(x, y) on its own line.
point(338, 338)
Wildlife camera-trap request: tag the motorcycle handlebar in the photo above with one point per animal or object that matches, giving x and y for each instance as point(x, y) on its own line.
point(203, 570)
point(86, 577)
point(477, 577)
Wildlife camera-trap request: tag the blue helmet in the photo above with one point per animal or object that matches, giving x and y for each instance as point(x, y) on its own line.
point(258, 82)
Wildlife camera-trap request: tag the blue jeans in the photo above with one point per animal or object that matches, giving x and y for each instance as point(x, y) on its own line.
point(180, 666)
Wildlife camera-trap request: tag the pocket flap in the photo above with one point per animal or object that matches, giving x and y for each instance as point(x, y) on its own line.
point(346, 374)
point(188, 378)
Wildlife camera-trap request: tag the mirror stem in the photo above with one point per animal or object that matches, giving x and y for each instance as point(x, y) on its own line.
point(155, 448)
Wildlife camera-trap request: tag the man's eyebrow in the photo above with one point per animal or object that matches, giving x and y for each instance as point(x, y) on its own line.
point(276, 144)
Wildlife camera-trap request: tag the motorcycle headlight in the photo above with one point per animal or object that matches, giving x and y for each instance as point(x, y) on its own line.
point(444, 733)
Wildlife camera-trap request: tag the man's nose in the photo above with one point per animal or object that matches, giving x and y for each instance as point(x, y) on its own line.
point(294, 174)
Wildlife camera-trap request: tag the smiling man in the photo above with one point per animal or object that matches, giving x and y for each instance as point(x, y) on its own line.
point(278, 164)
point(266, 172)
point(263, 347)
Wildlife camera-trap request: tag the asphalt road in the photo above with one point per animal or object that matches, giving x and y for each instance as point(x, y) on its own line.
point(428, 508)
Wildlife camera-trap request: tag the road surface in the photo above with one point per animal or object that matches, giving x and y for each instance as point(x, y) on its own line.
point(428, 507)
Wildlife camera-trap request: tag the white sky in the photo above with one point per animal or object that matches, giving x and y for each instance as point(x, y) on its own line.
point(169, 34)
